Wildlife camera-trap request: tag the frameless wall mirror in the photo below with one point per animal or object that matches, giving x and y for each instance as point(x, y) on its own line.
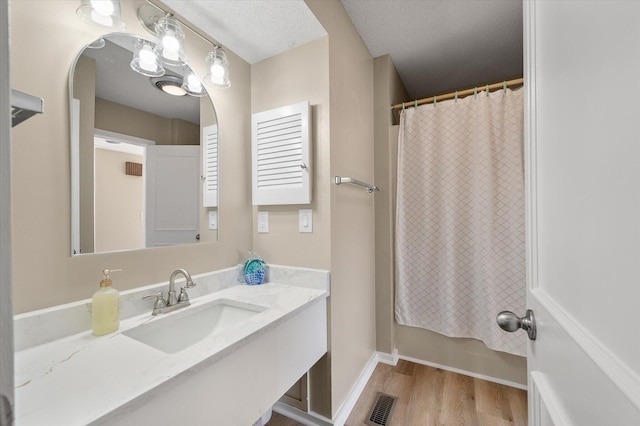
point(144, 158)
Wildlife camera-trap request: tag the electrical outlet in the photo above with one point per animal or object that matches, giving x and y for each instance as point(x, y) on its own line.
point(263, 222)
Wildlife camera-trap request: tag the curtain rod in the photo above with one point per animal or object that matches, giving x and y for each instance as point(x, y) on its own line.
point(459, 93)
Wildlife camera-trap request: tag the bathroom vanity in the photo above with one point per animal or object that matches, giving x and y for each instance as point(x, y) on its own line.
point(230, 355)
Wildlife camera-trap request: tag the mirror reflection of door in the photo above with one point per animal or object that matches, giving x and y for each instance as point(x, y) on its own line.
point(173, 194)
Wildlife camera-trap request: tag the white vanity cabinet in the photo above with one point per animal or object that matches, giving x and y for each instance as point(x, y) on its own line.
point(229, 377)
point(239, 388)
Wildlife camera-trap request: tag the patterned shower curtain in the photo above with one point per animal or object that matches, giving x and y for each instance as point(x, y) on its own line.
point(460, 229)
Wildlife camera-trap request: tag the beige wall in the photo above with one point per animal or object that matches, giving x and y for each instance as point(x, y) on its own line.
point(352, 216)
point(297, 75)
point(119, 202)
point(125, 120)
point(300, 74)
point(44, 274)
point(122, 119)
point(465, 354)
point(333, 74)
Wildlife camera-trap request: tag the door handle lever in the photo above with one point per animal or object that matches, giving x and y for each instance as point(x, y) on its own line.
point(508, 321)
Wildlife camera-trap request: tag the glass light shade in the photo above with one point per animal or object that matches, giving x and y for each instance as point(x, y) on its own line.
point(218, 73)
point(171, 40)
point(105, 13)
point(192, 84)
point(146, 59)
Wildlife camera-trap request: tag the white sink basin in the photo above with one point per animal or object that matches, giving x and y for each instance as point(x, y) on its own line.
point(182, 329)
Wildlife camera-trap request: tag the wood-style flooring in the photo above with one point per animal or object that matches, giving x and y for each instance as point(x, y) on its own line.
point(428, 396)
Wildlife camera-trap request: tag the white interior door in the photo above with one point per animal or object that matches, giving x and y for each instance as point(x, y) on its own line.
point(173, 194)
point(582, 136)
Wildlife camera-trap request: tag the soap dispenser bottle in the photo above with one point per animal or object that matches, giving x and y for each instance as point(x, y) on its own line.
point(105, 307)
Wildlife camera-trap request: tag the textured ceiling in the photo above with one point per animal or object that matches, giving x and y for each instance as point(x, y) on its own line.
point(439, 46)
point(252, 29)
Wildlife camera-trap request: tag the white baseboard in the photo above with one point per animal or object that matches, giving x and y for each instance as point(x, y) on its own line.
point(343, 413)
point(466, 373)
point(391, 359)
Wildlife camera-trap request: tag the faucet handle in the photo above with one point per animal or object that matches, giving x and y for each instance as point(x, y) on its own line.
point(183, 297)
point(159, 303)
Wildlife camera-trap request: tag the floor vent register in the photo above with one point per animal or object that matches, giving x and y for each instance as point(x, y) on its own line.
point(382, 410)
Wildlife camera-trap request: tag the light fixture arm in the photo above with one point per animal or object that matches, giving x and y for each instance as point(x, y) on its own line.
point(150, 13)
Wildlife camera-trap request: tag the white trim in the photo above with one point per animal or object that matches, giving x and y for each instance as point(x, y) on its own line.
point(306, 418)
point(391, 359)
point(544, 397)
point(466, 373)
point(627, 380)
point(121, 137)
point(75, 176)
point(530, 144)
point(127, 148)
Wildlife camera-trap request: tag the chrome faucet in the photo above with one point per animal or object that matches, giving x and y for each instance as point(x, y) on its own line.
point(172, 299)
point(172, 302)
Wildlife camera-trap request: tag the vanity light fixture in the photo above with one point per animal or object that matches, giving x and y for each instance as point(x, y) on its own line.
point(171, 41)
point(146, 59)
point(218, 68)
point(105, 13)
point(191, 83)
point(168, 29)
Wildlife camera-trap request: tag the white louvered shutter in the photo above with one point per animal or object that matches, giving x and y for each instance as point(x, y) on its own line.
point(281, 149)
point(210, 166)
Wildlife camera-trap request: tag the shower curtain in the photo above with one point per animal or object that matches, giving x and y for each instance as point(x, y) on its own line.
point(460, 230)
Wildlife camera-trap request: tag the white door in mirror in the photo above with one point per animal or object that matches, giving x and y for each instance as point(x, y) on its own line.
point(173, 192)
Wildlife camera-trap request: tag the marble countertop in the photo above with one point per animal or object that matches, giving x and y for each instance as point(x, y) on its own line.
point(80, 378)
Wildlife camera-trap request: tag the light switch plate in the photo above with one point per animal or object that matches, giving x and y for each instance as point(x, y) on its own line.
point(213, 219)
point(263, 222)
point(305, 218)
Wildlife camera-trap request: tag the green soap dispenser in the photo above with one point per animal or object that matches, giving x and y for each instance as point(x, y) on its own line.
point(105, 307)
